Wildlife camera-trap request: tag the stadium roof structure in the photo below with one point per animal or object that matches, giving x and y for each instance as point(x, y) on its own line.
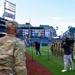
point(31, 28)
point(3, 19)
point(2, 22)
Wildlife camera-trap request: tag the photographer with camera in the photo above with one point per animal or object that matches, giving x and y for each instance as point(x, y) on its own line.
point(67, 54)
point(71, 40)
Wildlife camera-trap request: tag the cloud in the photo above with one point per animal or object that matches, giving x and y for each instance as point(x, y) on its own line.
point(56, 18)
point(61, 18)
point(63, 27)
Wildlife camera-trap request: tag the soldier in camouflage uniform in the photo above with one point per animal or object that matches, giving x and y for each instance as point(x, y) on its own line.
point(12, 53)
point(56, 48)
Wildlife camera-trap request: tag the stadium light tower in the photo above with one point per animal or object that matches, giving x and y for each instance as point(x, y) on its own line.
point(9, 10)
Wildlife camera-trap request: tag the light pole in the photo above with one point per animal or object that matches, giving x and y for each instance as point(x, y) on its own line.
point(29, 30)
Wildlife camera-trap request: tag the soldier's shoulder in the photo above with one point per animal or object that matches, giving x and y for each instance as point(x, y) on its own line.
point(17, 40)
point(21, 42)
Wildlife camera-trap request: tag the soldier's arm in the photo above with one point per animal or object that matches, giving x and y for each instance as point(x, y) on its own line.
point(19, 56)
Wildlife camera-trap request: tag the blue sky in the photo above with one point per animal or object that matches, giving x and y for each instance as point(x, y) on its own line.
point(59, 13)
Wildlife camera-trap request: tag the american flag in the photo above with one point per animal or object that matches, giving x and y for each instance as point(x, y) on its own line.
point(57, 27)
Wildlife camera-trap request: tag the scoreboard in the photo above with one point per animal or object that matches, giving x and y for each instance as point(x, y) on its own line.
point(47, 33)
point(38, 32)
point(25, 32)
point(35, 32)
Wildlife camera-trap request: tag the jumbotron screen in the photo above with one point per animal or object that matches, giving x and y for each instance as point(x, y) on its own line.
point(38, 32)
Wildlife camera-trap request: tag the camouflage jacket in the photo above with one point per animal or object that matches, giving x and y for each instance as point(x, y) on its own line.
point(12, 57)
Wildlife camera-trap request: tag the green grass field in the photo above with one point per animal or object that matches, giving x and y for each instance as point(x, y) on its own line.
point(52, 63)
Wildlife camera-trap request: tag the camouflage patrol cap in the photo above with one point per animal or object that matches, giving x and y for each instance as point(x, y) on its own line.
point(11, 24)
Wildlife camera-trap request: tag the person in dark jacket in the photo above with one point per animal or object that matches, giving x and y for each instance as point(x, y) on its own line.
point(71, 40)
point(37, 47)
point(67, 55)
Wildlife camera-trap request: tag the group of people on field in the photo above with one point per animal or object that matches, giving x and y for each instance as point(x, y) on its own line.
point(12, 52)
point(64, 48)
